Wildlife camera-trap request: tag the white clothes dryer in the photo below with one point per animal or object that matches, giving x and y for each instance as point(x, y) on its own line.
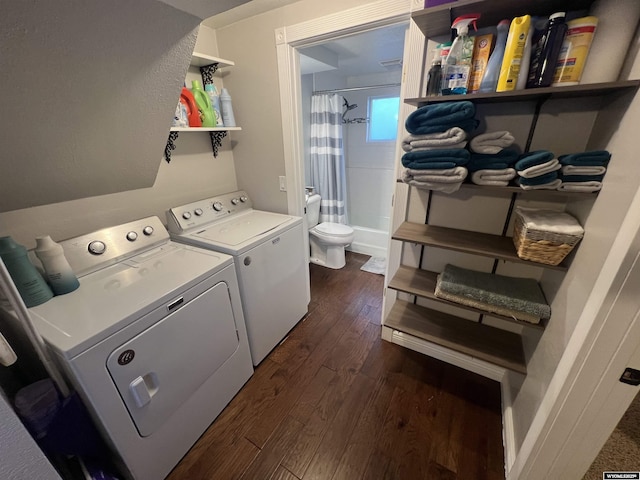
point(269, 253)
point(153, 340)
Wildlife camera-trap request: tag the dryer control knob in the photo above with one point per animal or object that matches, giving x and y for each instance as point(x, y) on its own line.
point(148, 230)
point(97, 247)
point(198, 211)
point(235, 201)
point(217, 206)
point(132, 236)
point(186, 215)
point(244, 198)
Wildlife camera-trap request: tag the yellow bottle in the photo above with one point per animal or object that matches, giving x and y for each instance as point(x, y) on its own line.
point(510, 68)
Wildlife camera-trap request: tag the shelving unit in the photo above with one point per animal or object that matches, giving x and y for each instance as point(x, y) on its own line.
point(448, 337)
point(208, 65)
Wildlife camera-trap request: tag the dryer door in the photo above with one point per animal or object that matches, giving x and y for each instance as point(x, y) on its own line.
point(159, 369)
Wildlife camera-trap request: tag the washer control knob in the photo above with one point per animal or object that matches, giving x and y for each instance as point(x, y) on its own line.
point(186, 215)
point(97, 247)
point(244, 198)
point(235, 201)
point(148, 230)
point(198, 211)
point(132, 236)
point(217, 206)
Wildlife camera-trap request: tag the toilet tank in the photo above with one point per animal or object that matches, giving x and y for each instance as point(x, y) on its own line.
point(313, 209)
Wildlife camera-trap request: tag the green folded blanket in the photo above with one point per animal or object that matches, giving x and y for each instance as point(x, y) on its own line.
point(532, 159)
point(496, 293)
point(498, 161)
point(439, 117)
point(581, 178)
point(541, 180)
point(594, 158)
point(436, 159)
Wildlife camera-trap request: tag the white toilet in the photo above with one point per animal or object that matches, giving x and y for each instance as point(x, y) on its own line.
point(327, 239)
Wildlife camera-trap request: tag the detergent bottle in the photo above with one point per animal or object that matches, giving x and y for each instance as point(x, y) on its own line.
point(492, 72)
point(457, 68)
point(203, 103)
point(513, 53)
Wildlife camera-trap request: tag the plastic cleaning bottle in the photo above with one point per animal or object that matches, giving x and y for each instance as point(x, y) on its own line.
point(523, 75)
point(211, 90)
point(203, 102)
point(513, 51)
point(574, 51)
point(546, 52)
point(227, 109)
point(59, 273)
point(186, 98)
point(434, 77)
point(456, 70)
point(492, 72)
point(30, 284)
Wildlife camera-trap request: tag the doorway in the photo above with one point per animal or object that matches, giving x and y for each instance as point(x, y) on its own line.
point(365, 70)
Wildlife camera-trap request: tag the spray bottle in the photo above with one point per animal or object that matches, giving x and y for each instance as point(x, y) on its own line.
point(456, 70)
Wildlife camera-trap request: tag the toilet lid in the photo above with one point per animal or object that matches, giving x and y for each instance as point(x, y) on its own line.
point(334, 229)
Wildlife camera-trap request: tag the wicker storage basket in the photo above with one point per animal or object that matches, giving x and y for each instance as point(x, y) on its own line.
point(542, 242)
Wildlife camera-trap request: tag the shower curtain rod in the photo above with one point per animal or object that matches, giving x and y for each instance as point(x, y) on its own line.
point(353, 89)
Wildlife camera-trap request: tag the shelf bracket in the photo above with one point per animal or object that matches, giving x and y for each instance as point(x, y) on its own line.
point(216, 141)
point(534, 121)
point(207, 72)
point(173, 136)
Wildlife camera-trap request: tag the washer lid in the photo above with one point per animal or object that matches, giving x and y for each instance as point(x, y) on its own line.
point(113, 297)
point(243, 227)
point(334, 229)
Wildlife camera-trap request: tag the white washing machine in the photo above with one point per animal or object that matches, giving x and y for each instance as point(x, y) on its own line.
point(154, 340)
point(270, 260)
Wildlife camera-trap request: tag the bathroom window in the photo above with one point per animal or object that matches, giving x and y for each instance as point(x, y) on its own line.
point(383, 119)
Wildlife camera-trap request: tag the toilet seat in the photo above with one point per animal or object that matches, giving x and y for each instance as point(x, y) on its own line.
point(330, 229)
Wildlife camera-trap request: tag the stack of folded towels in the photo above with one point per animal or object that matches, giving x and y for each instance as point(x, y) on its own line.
point(490, 163)
point(519, 298)
point(435, 156)
point(583, 172)
point(538, 170)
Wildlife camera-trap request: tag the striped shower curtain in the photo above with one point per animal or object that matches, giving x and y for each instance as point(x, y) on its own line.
point(327, 158)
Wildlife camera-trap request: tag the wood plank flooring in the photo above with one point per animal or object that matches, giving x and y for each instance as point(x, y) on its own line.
point(336, 402)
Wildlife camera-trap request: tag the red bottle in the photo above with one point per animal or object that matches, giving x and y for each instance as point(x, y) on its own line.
point(186, 97)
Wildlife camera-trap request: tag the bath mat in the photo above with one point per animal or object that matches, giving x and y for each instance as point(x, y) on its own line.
point(375, 265)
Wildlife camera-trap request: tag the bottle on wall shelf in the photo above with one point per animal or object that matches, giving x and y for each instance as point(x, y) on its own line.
point(212, 91)
point(544, 55)
point(227, 109)
point(203, 102)
point(57, 269)
point(492, 72)
point(523, 75)
point(30, 284)
point(513, 51)
point(186, 98)
point(434, 77)
point(457, 68)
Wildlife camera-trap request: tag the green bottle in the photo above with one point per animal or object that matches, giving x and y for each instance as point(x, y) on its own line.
point(203, 102)
point(30, 284)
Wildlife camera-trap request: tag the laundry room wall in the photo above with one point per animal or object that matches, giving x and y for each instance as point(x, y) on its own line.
point(253, 85)
point(193, 173)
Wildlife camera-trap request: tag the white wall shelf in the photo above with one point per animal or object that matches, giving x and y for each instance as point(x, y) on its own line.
point(202, 60)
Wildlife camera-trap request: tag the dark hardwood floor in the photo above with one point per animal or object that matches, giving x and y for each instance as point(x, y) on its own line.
point(335, 401)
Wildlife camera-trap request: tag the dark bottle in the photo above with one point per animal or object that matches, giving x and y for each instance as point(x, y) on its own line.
point(546, 50)
point(434, 81)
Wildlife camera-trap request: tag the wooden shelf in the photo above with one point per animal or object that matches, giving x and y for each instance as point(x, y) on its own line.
point(437, 21)
point(475, 243)
point(570, 91)
point(202, 60)
point(422, 283)
point(205, 129)
point(490, 344)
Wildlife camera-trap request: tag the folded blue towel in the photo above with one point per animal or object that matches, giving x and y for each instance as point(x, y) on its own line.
point(503, 159)
point(594, 158)
point(439, 117)
point(532, 159)
point(436, 159)
point(581, 178)
point(541, 180)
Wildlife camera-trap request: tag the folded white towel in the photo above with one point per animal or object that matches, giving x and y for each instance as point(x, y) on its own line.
point(491, 142)
point(541, 169)
point(543, 186)
point(583, 170)
point(550, 221)
point(499, 177)
point(455, 137)
point(446, 180)
point(580, 187)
